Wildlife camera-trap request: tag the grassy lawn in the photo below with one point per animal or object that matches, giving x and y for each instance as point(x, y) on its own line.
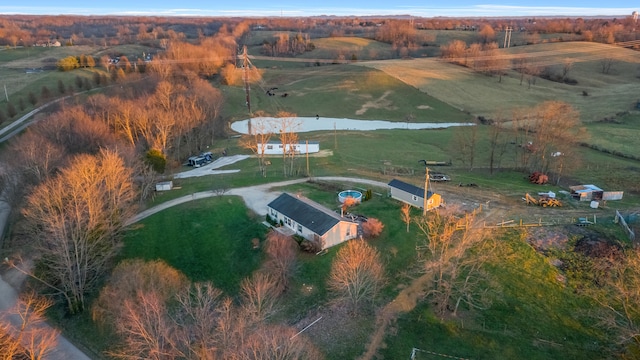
point(533, 316)
point(339, 91)
point(208, 240)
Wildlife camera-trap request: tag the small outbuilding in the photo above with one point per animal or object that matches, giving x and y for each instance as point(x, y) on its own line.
point(594, 193)
point(413, 195)
point(164, 185)
point(311, 220)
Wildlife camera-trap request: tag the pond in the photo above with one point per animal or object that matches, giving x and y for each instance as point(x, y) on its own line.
point(306, 124)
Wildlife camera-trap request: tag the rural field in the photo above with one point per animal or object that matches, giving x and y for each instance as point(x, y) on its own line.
point(533, 306)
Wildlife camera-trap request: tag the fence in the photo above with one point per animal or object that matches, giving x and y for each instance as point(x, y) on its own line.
point(620, 220)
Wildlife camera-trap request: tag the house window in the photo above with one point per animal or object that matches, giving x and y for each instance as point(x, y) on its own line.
point(269, 147)
point(348, 231)
point(415, 198)
point(288, 221)
point(299, 228)
point(279, 146)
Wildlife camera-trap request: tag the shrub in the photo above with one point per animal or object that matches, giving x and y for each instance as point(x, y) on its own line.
point(11, 110)
point(372, 228)
point(157, 160)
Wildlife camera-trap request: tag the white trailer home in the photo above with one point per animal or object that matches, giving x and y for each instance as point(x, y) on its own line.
point(302, 147)
point(311, 220)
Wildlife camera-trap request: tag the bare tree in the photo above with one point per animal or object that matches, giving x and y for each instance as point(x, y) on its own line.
point(288, 124)
point(457, 272)
point(129, 277)
point(23, 334)
point(606, 63)
point(356, 274)
point(464, 143)
point(556, 131)
point(567, 65)
point(278, 342)
point(200, 306)
point(77, 219)
point(281, 264)
point(619, 297)
point(260, 132)
point(405, 214)
point(259, 294)
point(497, 143)
point(147, 330)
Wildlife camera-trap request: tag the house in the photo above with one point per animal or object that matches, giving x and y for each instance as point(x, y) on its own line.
point(302, 147)
point(312, 221)
point(413, 195)
point(594, 193)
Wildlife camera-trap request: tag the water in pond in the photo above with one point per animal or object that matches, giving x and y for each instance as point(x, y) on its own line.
point(306, 124)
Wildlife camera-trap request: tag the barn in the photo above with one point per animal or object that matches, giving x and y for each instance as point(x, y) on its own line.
point(593, 193)
point(413, 195)
point(311, 220)
point(302, 147)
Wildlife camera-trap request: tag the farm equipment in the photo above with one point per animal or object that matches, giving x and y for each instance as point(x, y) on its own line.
point(544, 201)
point(538, 178)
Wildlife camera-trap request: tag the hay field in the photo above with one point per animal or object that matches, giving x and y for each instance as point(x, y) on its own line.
point(485, 95)
point(363, 49)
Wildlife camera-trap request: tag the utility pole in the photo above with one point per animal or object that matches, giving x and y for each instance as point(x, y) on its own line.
point(507, 37)
point(426, 188)
point(5, 92)
point(307, 145)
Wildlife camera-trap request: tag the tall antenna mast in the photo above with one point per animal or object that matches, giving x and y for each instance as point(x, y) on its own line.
point(245, 68)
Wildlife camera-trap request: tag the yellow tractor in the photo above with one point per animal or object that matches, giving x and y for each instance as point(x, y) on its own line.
point(544, 201)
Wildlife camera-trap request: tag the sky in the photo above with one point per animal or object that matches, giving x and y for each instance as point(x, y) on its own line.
point(301, 8)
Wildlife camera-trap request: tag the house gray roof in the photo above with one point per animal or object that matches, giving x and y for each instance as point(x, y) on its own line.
point(305, 212)
point(408, 188)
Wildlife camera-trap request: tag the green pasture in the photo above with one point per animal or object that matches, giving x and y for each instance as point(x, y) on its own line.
point(208, 240)
point(532, 316)
point(19, 82)
point(340, 91)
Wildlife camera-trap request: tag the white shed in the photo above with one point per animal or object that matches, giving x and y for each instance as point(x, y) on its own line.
point(164, 186)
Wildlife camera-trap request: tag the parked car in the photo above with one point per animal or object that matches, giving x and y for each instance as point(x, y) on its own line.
point(439, 177)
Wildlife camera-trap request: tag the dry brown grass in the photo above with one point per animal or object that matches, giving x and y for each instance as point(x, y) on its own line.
point(485, 95)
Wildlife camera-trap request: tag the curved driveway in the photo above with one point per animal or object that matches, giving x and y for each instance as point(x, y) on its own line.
point(255, 197)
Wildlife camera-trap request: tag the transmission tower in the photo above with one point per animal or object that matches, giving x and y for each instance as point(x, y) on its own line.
point(245, 77)
point(507, 37)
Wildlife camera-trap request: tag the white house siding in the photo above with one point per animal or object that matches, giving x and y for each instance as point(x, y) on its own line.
point(300, 148)
point(340, 233)
point(403, 196)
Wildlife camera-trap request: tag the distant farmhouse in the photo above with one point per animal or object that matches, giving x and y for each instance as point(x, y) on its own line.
point(275, 148)
point(413, 195)
point(312, 221)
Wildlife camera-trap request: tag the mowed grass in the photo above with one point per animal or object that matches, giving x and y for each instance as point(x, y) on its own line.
point(347, 48)
point(341, 91)
point(607, 94)
point(208, 240)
